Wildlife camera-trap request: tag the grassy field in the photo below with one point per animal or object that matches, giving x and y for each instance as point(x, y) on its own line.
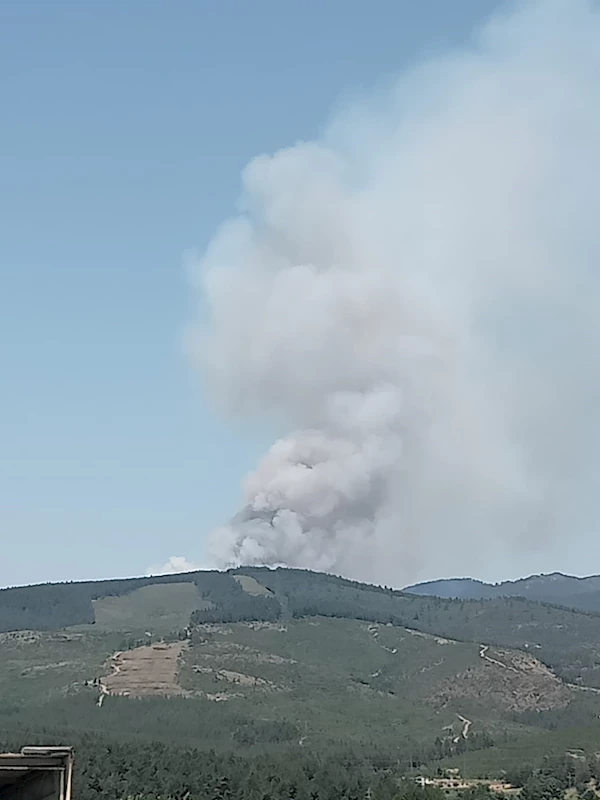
point(251, 585)
point(159, 608)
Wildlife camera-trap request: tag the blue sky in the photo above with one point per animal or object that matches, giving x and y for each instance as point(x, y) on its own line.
point(125, 126)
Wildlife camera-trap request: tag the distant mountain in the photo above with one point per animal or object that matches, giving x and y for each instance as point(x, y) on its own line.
point(566, 590)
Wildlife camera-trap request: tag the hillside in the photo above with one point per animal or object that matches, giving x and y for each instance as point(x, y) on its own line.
point(566, 590)
point(263, 661)
point(566, 640)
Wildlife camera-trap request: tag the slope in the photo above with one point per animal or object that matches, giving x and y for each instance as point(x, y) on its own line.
point(566, 640)
point(566, 590)
point(306, 683)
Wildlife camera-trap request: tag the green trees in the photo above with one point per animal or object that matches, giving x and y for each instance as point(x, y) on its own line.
point(109, 769)
point(557, 774)
point(50, 607)
point(542, 786)
point(230, 603)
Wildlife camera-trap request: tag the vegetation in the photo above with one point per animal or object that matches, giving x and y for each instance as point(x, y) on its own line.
point(107, 769)
point(319, 685)
point(161, 607)
point(298, 684)
point(322, 681)
point(229, 602)
point(54, 606)
point(566, 640)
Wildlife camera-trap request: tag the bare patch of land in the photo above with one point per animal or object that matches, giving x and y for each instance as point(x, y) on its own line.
point(240, 678)
point(457, 783)
point(145, 671)
point(516, 680)
point(251, 585)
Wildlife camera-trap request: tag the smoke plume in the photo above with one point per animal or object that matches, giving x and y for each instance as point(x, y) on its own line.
point(175, 565)
point(415, 298)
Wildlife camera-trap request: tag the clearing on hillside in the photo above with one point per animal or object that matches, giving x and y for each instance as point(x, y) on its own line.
point(146, 671)
point(510, 679)
point(159, 608)
point(251, 585)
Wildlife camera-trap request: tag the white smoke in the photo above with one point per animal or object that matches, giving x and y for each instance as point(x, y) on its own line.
point(415, 297)
point(174, 565)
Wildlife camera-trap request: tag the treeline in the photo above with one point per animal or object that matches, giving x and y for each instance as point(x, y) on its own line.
point(46, 607)
point(54, 606)
point(230, 603)
point(107, 769)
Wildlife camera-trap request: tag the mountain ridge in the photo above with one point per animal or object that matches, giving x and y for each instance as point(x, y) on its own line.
point(557, 588)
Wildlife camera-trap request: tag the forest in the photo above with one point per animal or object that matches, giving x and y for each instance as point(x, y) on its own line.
point(115, 767)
